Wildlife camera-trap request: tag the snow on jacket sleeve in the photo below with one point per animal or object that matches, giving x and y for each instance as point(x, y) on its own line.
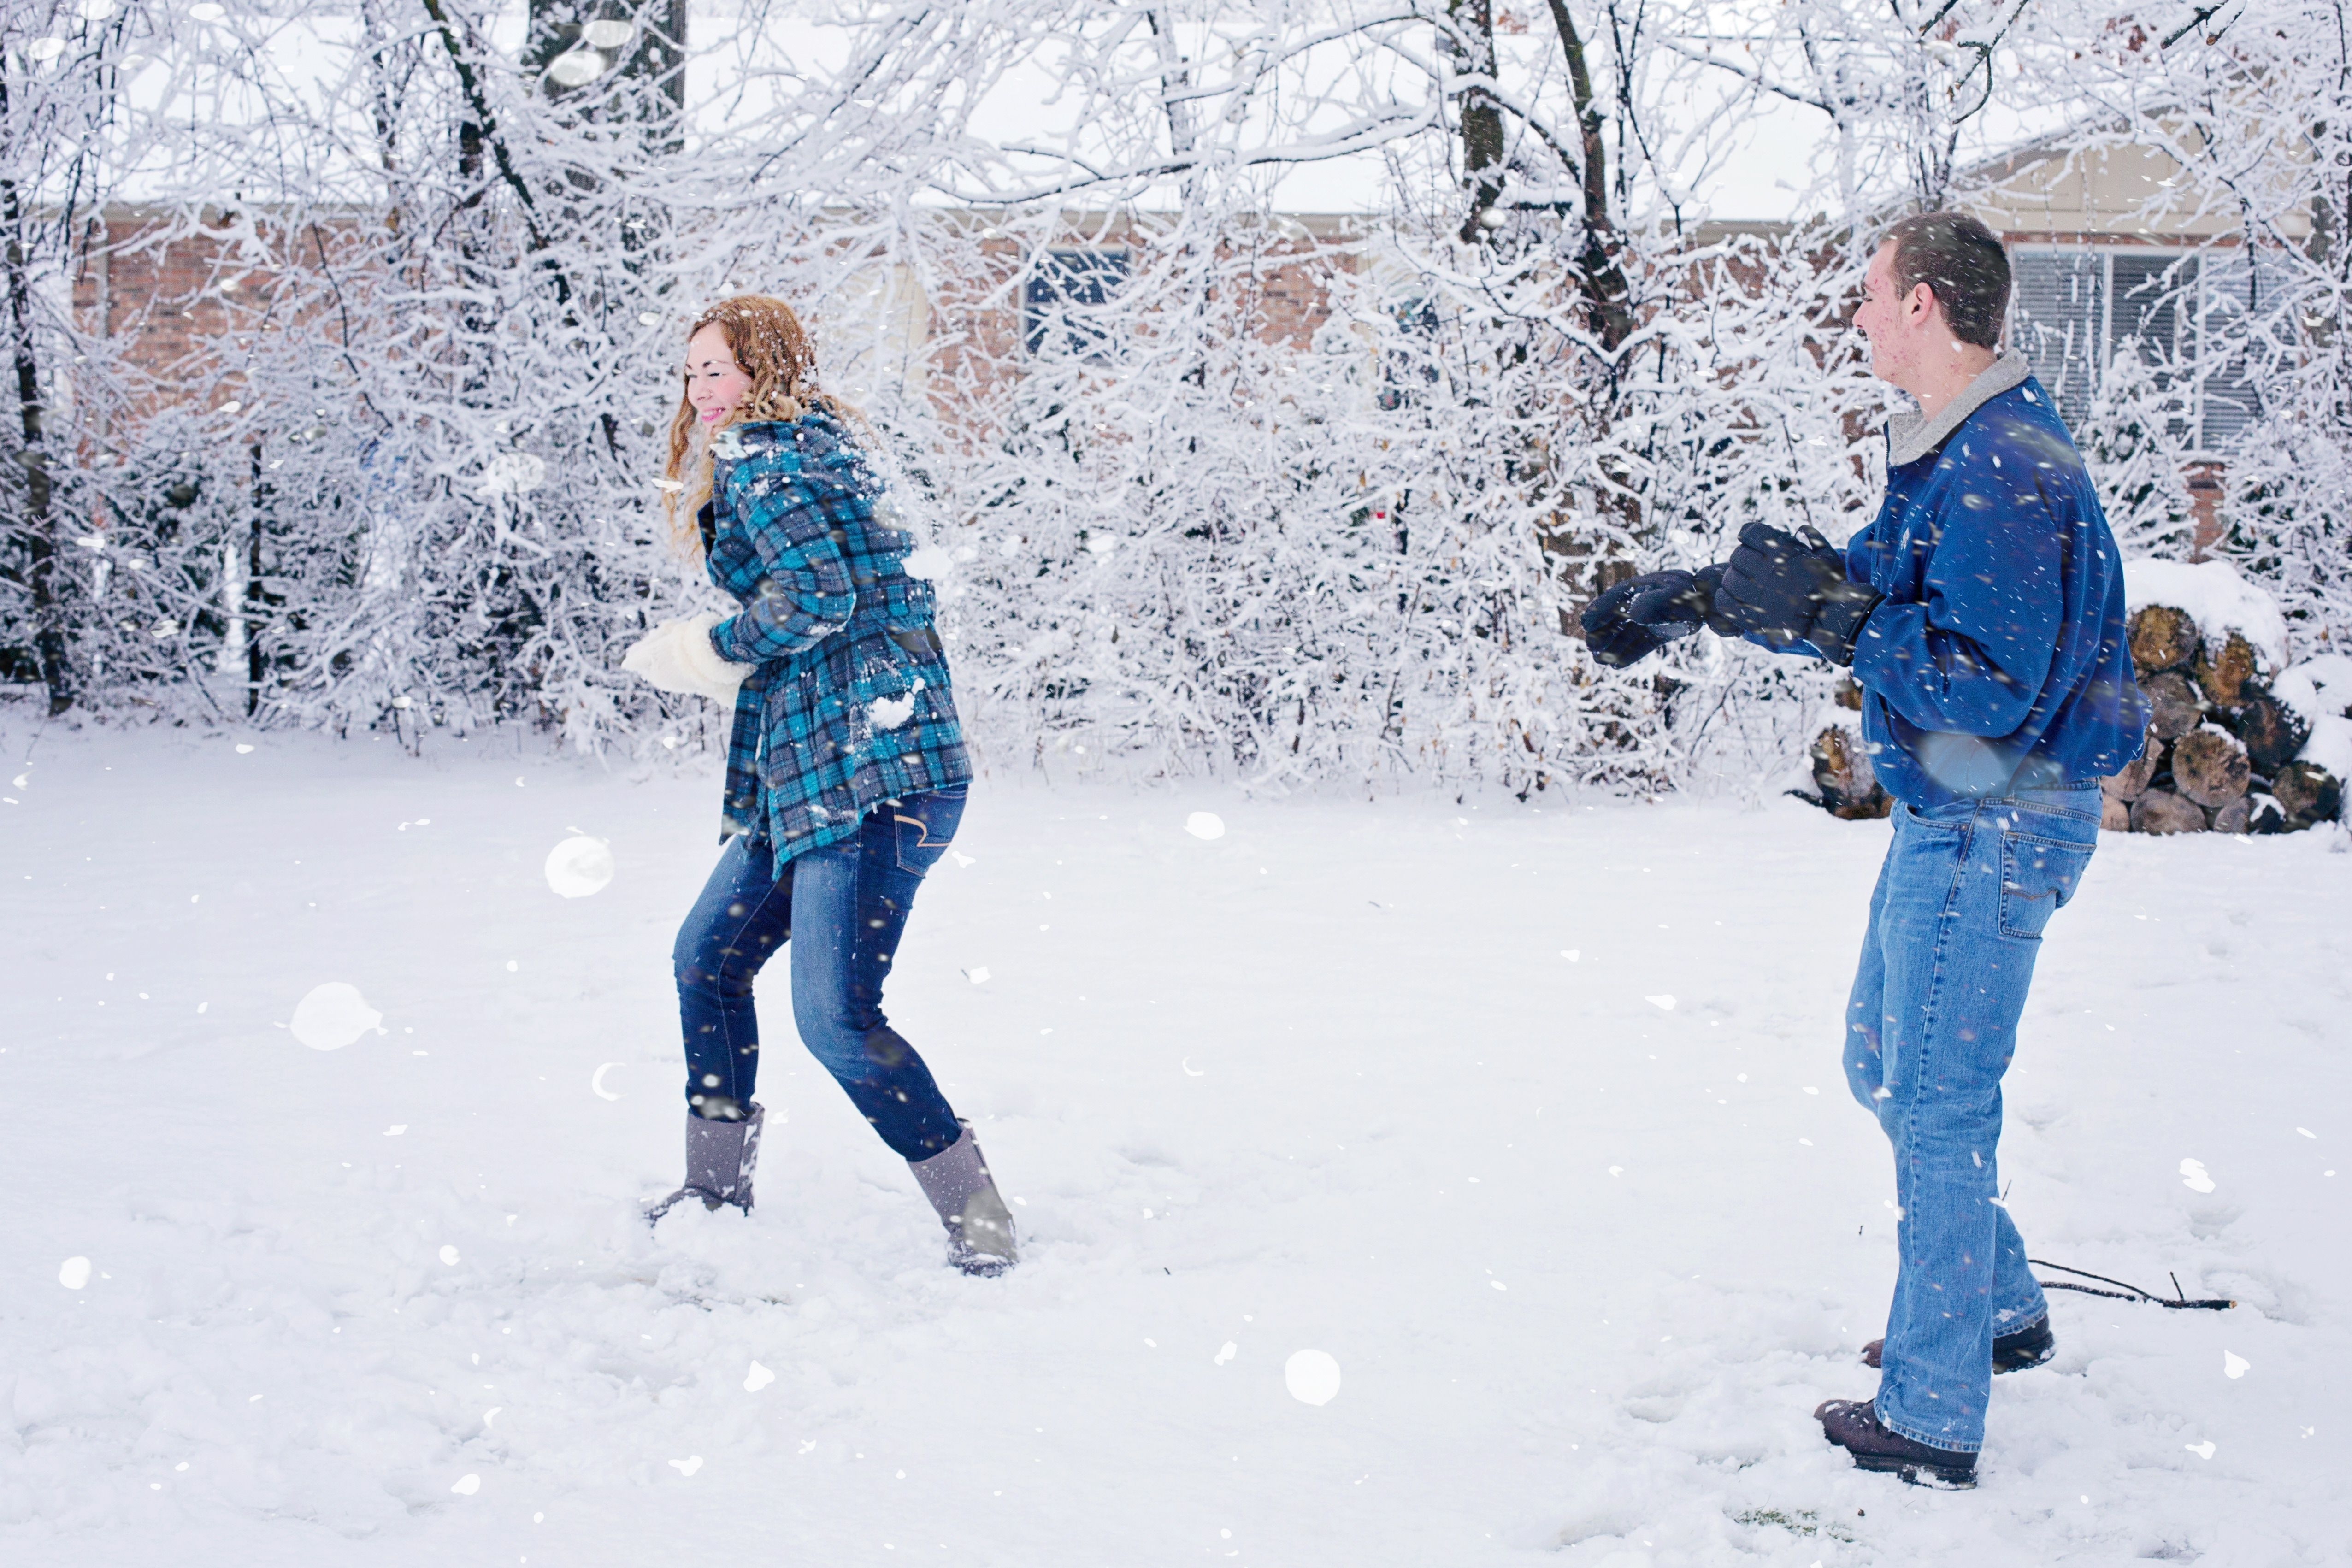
point(804, 593)
point(1970, 653)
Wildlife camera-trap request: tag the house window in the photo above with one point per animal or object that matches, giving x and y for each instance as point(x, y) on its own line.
point(1409, 366)
point(2184, 315)
point(1061, 308)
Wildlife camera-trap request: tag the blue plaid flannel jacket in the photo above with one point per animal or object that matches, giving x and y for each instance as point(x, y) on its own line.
point(849, 704)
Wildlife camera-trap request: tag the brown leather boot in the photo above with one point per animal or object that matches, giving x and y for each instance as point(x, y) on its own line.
point(1853, 1424)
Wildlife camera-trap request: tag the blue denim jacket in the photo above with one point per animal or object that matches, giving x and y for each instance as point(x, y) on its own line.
point(2000, 655)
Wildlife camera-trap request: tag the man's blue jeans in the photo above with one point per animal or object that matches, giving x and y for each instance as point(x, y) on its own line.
point(842, 909)
point(1955, 924)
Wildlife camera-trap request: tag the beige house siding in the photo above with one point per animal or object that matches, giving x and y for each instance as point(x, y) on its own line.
point(2103, 271)
point(2053, 192)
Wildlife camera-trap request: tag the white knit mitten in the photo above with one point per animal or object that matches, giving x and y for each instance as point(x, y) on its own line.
point(677, 655)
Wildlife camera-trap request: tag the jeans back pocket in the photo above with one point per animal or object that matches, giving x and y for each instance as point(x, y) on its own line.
point(2037, 876)
point(924, 825)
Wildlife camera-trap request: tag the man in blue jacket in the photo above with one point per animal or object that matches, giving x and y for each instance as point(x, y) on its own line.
point(1982, 615)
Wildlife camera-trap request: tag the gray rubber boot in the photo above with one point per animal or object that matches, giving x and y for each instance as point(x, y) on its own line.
point(979, 1227)
point(718, 1160)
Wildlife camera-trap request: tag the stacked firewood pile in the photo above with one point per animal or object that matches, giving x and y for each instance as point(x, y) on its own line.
point(2228, 730)
point(2238, 741)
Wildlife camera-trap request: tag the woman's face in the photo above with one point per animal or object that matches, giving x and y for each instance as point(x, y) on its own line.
point(715, 383)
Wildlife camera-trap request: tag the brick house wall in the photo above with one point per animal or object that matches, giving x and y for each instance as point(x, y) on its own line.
point(177, 295)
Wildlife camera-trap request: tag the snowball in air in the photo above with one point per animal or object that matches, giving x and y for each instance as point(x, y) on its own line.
point(332, 1015)
point(577, 68)
point(511, 473)
point(758, 1378)
point(1312, 1377)
point(1664, 1004)
point(1205, 824)
point(578, 867)
point(687, 1466)
point(2193, 1177)
point(2233, 1366)
point(449, 1256)
point(467, 1485)
point(75, 1274)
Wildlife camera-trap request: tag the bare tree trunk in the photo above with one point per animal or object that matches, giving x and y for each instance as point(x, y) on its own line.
point(661, 56)
point(484, 131)
point(40, 524)
point(1607, 297)
point(655, 54)
point(1175, 78)
point(1473, 42)
point(1587, 566)
point(256, 602)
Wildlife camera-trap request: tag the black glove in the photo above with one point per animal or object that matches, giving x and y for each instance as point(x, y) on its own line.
point(1785, 589)
point(1641, 616)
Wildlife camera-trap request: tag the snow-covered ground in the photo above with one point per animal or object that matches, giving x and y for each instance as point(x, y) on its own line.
point(1399, 1082)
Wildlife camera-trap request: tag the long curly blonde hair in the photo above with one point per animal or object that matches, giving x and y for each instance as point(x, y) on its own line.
point(769, 345)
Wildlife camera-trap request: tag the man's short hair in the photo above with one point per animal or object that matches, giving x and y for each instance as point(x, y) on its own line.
point(1962, 262)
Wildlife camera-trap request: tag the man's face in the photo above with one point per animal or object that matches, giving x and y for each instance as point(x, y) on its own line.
point(1893, 323)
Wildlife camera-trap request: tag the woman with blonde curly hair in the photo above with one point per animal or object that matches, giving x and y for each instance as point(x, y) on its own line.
point(845, 770)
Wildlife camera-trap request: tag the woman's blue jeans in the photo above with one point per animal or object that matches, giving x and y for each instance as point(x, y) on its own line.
point(1955, 925)
point(842, 909)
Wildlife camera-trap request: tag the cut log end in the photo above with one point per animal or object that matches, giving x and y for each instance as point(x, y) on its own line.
point(2132, 782)
point(2174, 707)
point(2162, 638)
point(2224, 675)
point(2306, 793)
point(2210, 767)
point(2161, 811)
point(2273, 733)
